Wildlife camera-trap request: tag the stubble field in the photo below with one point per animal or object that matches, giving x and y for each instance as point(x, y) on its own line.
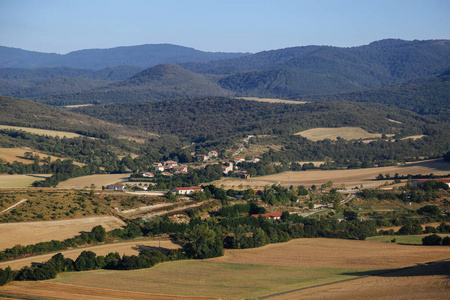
point(275, 268)
point(20, 181)
point(37, 131)
point(97, 180)
point(348, 178)
point(26, 233)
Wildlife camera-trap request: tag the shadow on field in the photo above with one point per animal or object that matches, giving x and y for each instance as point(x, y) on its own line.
point(142, 247)
point(427, 269)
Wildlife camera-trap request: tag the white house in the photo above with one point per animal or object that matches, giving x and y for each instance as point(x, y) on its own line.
point(116, 187)
point(186, 190)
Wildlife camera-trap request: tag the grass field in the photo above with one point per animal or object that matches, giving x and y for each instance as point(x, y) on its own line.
point(25, 233)
point(403, 239)
point(348, 178)
point(37, 131)
point(250, 273)
point(20, 181)
point(348, 133)
point(97, 180)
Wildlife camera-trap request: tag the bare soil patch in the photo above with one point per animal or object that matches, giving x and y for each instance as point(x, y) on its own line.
point(25, 233)
point(37, 131)
point(348, 178)
point(348, 133)
point(97, 180)
point(414, 137)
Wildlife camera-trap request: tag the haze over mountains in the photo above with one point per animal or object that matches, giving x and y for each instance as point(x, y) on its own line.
point(285, 73)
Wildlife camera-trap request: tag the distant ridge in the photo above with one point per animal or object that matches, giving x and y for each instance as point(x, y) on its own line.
point(143, 55)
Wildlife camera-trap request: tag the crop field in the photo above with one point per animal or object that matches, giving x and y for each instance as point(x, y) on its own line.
point(25, 233)
point(16, 154)
point(37, 131)
point(20, 181)
point(261, 271)
point(348, 133)
point(97, 180)
point(348, 178)
point(123, 248)
point(272, 100)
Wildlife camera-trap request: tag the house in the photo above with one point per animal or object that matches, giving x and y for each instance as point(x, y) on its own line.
point(166, 174)
point(271, 216)
point(147, 174)
point(186, 190)
point(116, 187)
point(170, 163)
point(180, 169)
point(202, 157)
point(238, 160)
point(212, 154)
point(242, 174)
point(253, 160)
point(228, 168)
point(421, 182)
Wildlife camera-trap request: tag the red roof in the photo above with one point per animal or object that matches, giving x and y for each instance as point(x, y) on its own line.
point(445, 180)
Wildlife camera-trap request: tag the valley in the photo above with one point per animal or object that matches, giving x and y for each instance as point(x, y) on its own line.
point(164, 172)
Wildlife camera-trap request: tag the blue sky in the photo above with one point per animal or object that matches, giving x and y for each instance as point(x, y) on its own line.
point(62, 26)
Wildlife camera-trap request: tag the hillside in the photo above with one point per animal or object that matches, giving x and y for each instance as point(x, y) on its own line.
point(424, 96)
point(159, 82)
point(19, 112)
point(224, 117)
point(324, 69)
point(142, 55)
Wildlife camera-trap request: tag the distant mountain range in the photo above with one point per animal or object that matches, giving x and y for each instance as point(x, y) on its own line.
point(285, 73)
point(142, 56)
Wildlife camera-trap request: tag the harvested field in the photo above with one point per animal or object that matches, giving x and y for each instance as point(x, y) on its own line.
point(267, 270)
point(272, 100)
point(123, 248)
point(20, 181)
point(37, 131)
point(97, 180)
point(348, 133)
point(25, 233)
point(16, 154)
point(349, 178)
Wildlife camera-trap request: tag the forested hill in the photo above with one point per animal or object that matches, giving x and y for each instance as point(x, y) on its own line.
point(143, 55)
point(430, 96)
point(156, 83)
point(223, 117)
point(324, 69)
point(25, 113)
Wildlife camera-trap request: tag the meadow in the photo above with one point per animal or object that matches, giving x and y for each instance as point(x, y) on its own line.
point(37, 131)
point(20, 181)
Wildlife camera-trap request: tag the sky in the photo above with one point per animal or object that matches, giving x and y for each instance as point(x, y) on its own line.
point(62, 26)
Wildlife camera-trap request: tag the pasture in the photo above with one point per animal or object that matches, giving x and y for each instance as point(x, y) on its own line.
point(97, 180)
point(340, 178)
point(250, 273)
point(348, 133)
point(403, 239)
point(20, 181)
point(53, 133)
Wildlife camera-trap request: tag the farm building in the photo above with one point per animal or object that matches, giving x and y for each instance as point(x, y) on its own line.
point(186, 190)
point(272, 216)
point(116, 187)
point(421, 182)
point(147, 174)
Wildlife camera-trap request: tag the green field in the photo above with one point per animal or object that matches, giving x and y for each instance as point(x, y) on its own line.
point(208, 278)
point(402, 239)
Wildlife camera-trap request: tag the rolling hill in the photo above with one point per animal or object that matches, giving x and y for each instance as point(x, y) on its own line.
point(157, 83)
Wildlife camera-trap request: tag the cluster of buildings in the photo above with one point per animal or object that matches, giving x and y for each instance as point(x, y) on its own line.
point(206, 157)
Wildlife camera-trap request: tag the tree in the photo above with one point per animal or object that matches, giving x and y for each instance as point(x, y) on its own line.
point(433, 239)
point(203, 242)
point(350, 215)
point(98, 233)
